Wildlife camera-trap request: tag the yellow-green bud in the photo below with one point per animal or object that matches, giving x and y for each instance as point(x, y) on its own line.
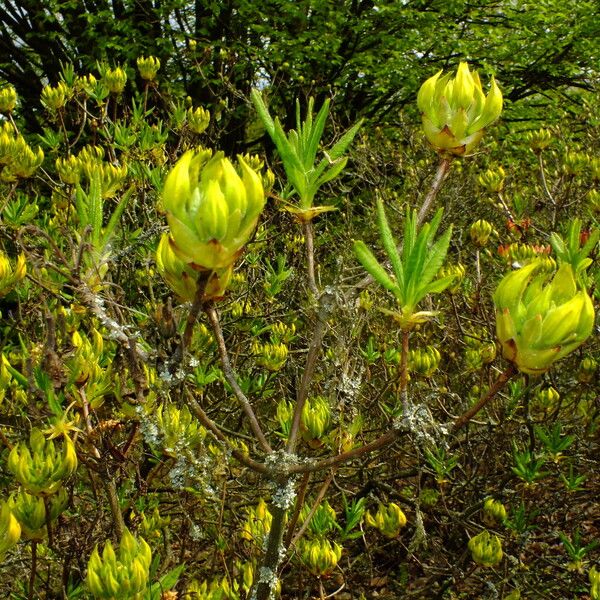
point(115, 80)
point(320, 555)
point(486, 549)
point(455, 111)
point(148, 67)
point(389, 519)
point(538, 324)
point(492, 180)
point(575, 163)
point(258, 524)
point(9, 275)
point(42, 470)
point(55, 97)
point(30, 511)
point(316, 420)
point(594, 577)
point(593, 200)
point(270, 356)
point(424, 361)
point(10, 530)
point(8, 99)
point(69, 169)
point(177, 427)
point(457, 272)
point(494, 511)
point(539, 140)
point(587, 370)
point(480, 232)
point(123, 577)
point(547, 398)
point(198, 119)
point(211, 210)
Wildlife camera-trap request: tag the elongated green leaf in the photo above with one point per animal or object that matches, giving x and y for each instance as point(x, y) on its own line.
point(410, 234)
point(342, 144)
point(372, 266)
point(95, 206)
point(336, 169)
point(437, 286)
point(314, 138)
point(263, 113)
point(389, 244)
point(435, 257)
point(115, 217)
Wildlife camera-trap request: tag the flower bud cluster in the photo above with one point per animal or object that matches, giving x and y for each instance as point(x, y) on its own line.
point(547, 398)
point(179, 429)
point(479, 350)
point(258, 524)
point(486, 549)
point(271, 356)
point(480, 232)
point(55, 98)
point(41, 468)
point(319, 555)
point(11, 275)
point(587, 370)
point(424, 362)
point(148, 67)
point(538, 140)
point(30, 511)
point(17, 159)
point(537, 323)
point(197, 119)
point(212, 209)
point(494, 511)
point(389, 519)
point(575, 163)
point(10, 530)
point(316, 421)
point(8, 99)
point(457, 272)
point(123, 576)
point(455, 112)
point(114, 79)
point(492, 180)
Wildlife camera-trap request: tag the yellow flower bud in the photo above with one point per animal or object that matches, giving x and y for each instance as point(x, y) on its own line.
point(8, 99)
point(320, 555)
point(536, 324)
point(455, 111)
point(9, 275)
point(494, 510)
point(486, 549)
point(197, 119)
point(30, 511)
point(258, 524)
point(480, 232)
point(55, 97)
point(148, 67)
point(115, 80)
point(211, 209)
point(594, 577)
point(316, 420)
point(10, 530)
point(587, 369)
point(69, 169)
point(389, 519)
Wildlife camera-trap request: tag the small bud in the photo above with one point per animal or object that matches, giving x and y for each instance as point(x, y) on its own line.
point(389, 519)
point(486, 549)
point(8, 99)
point(492, 180)
point(494, 511)
point(55, 97)
point(11, 275)
point(455, 112)
point(198, 119)
point(115, 80)
point(148, 67)
point(10, 530)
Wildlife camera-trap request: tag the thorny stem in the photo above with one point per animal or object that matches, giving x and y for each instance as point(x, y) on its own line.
point(310, 257)
point(213, 318)
point(502, 380)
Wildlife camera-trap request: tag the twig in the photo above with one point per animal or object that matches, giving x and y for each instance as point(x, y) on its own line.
point(310, 257)
point(213, 318)
point(502, 380)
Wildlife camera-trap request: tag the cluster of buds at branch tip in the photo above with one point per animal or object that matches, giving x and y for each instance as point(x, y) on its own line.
point(547, 398)
point(54, 98)
point(258, 524)
point(212, 209)
point(486, 549)
point(30, 511)
point(17, 159)
point(457, 272)
point(424, 362)
point(10, 530)
point(480, 232)
point(41, 469)
point(114, 79)
point(11, 275)
point(148, 67)
point(8, 99)
point(538, 323)
point(198, 119)
point(493, 511)
point(455, 112)
point(594, 577)
point(538, 140)
point(492, 180)
point(123, 577)
point(389, 519)
point(320, 555)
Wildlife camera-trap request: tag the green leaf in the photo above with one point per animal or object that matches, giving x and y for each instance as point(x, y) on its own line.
point(372, 266)
point(389, 244)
